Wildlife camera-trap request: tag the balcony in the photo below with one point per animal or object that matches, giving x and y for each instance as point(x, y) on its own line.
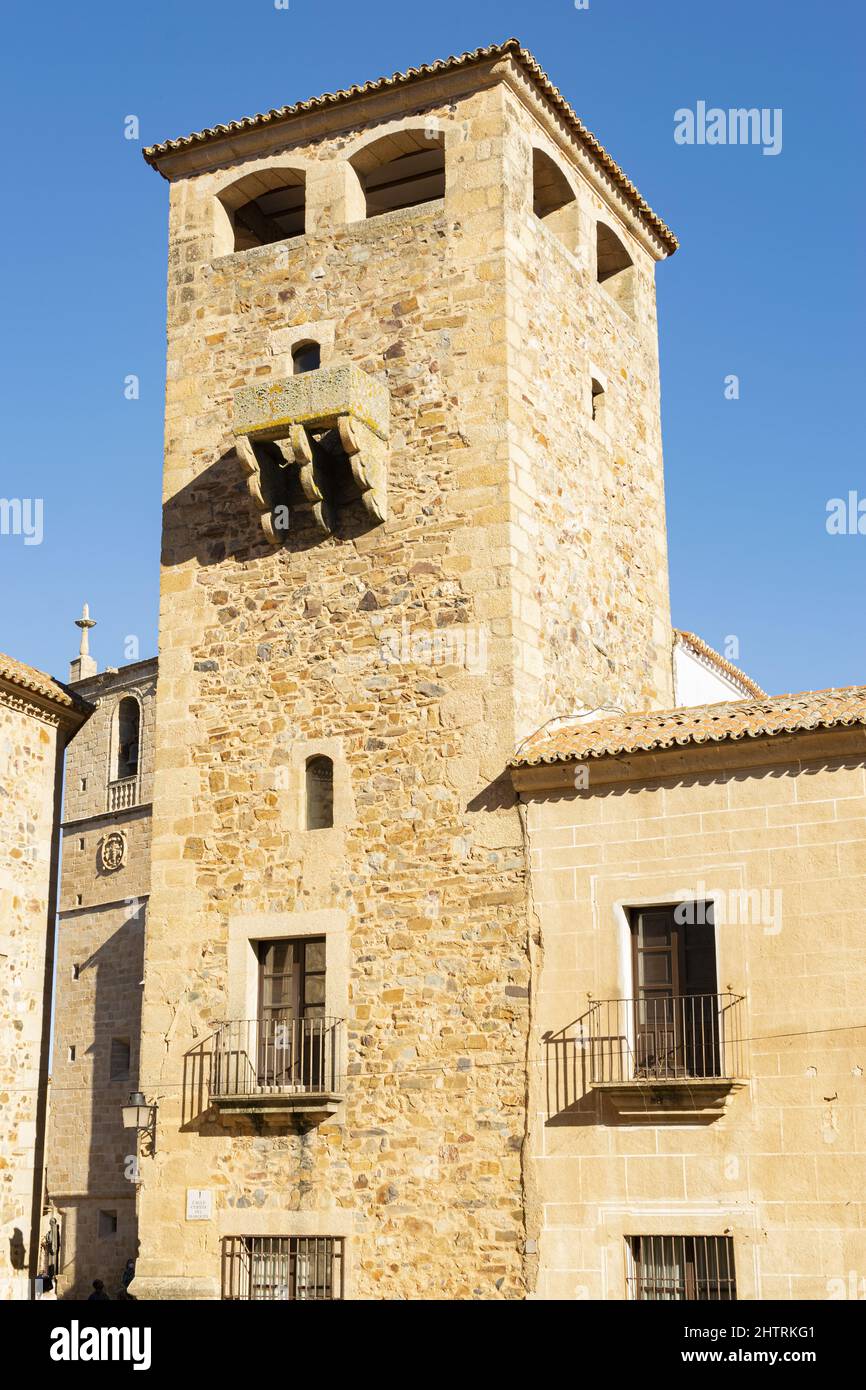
point(123, 793)
point(679, 1056)
point(278, 1067)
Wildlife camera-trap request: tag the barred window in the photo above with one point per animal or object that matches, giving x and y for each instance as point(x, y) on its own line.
point(283, 1268)
point(672, 1268)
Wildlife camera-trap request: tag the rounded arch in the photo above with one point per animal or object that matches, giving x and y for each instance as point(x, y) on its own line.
point(319, 792)
point(615, 267)
point(306, 356)
point(125, 752)
point(554, 201)
point(260, 208)
point(401, 169)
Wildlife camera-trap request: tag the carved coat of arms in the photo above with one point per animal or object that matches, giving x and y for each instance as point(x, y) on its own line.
point(113, 851)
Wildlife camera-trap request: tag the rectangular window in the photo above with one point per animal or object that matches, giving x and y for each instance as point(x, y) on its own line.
point(76, 972)
point(106, 1224)
point(673, 1268)
point(677, 1021)
point(290, 1269)
point(295, 1045)
point(292, 978)
point(118, 1064)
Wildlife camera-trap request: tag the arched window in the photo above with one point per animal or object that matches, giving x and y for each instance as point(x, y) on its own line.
point(597, 402)
point(262, 208)
point(320, 793)
point(306, 357)
point(614, 268)
point(401, 170)
point(553, 200)
point(127, 738)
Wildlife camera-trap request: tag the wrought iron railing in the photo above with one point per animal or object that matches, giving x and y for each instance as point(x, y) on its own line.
point(123, 793)
point(665, 1038)
point(283, 1268)
point(277, 1055)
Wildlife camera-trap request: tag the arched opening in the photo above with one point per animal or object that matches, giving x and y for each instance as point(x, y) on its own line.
point(614, 268)
point(306, 357)
point(401, 170)
point(262, 208)
point(597, 402)
point(320, 793)
point(553, 199)
point(127, 738)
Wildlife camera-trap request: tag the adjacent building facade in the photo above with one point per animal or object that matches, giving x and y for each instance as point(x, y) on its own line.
point(91, 1171)
point(38, 716)
point(697, 1112)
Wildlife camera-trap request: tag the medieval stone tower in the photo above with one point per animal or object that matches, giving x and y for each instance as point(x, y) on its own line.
point(413, 510)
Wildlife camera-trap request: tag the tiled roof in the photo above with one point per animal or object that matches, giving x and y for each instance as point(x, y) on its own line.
point(697, 644)
point(29, 678)
point(571, 740)
point(153, 153)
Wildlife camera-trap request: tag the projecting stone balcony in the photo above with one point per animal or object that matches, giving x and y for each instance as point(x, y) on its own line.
point(664, 1057)
point(278, 1067)
point(312, 444)
point(122, 793)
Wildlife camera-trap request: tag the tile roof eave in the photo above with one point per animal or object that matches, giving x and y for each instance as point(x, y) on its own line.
point(727, 722)
point(31, 681)
point(153, 154)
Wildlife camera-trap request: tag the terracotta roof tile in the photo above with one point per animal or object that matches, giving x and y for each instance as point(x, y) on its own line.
point(29, 678)
point(697, 644)
point(572, 740)
point(154, 153)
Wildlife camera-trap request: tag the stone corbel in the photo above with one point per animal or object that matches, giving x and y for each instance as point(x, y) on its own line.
point(313, 444)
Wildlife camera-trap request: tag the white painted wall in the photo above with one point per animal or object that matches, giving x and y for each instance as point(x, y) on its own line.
point(696, 682)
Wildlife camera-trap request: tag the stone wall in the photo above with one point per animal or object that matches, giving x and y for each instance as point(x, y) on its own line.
point(591, 604)
point(33, 732)
point(777, 837)
point(270, 656)
point(98, 991)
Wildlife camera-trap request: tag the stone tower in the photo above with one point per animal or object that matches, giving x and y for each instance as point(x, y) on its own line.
point(100, 959)
point(413, 509)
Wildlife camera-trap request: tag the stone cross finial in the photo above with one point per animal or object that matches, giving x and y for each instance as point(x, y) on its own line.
point(84, 665)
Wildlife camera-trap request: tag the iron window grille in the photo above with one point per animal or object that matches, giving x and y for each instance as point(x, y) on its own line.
point(675, 1268)
point(287, 1269)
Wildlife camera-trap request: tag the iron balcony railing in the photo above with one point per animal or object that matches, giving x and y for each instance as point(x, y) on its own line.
point(290, 1269)
point(123, 793)
point(666, 1038)
point(281, 1055)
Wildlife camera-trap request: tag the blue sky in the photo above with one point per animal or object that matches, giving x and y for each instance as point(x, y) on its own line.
point(768, 284)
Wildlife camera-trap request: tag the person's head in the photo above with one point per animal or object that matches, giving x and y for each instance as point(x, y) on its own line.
point(98, 1286)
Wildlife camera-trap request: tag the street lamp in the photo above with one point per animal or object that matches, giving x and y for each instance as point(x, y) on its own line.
point(140, 1115)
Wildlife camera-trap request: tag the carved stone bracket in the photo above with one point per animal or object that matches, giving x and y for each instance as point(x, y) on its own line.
point(312, 444)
